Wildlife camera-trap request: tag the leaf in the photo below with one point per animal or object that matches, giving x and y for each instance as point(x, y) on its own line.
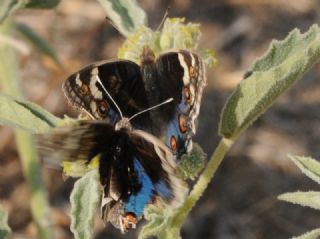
point(156, 222)
point(285, 62)
point(190, 165)
point(131, 49)
point(85, 198)
point(42, 4)
point(309, 166)
point(25, 115)
point(306, 199)
point(7, 7)
point(79, 168)
point(126, 15)
point(314, 234)
point(15, 112)
point(159, 223)
point(4, 228)
point(38, 42)
point(175, 34)
point(179, 35)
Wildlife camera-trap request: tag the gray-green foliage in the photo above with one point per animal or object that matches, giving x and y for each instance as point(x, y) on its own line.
point(7, 7)
point(314, 234)
point(126, 15)
point(307, 199)
point(4, 228)
point(85, 198)
point(159, 220)
point(38, 42)
point(190, 165)
point(20, 114)
point(25, 115)
point(311, 168)
point(42, 4)
point(285, 62)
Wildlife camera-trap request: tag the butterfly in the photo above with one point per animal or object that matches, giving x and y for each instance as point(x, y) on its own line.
point(142, 121)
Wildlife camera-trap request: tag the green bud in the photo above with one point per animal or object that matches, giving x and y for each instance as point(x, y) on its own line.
point(192, 164)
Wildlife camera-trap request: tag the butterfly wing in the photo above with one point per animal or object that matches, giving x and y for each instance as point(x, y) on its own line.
point(176, 74)
point(160, 165)
point(147, 173)
point(92, 88)
point(179, 75)
point(81, 141)
point(135, 168)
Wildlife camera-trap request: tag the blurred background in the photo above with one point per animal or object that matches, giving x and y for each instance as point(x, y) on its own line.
point(241, 202)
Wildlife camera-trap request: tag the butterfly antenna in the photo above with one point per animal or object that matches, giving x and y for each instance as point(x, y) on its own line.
point(110, 97)
point(153, 107)
point(164, 18)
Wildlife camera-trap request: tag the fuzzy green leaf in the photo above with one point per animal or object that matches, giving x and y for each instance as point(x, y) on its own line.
point(159, 223)
point(38, 42)
point(309, 166)
point(131, 49)
point(306, 199)
point(4, 228)
point(190, 165)
point(285, 62)
point(126, 15)
point(7, 7)
point(12, 112)
point(42, 4)
point(179, 35)
point(164, 40)
point(25, 115)
point(156, 222)
point(85, 198)
point(314, 234)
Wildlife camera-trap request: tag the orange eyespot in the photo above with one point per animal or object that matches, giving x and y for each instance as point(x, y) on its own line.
point(187, 94)
point(182, 123)
point(84, 89)
point(102, 108)
point(173, 143)
point(129, 221)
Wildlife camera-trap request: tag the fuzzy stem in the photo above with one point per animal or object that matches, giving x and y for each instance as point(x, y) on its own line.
point(10, 81)
point(202, 182)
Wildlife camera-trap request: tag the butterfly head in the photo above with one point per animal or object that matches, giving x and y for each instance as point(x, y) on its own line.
point(124, 123)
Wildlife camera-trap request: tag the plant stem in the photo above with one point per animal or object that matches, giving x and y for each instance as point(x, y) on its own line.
point(11, 84)
point(203, 181)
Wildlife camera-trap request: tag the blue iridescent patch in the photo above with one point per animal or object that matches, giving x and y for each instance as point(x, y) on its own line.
point(163, 190)
point(174, 131)
point(136, 202)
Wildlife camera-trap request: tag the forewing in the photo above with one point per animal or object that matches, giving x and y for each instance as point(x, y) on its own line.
point(181, 75)
point(121, 80)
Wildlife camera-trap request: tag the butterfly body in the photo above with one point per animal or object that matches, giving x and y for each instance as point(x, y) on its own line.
point(138, 151)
